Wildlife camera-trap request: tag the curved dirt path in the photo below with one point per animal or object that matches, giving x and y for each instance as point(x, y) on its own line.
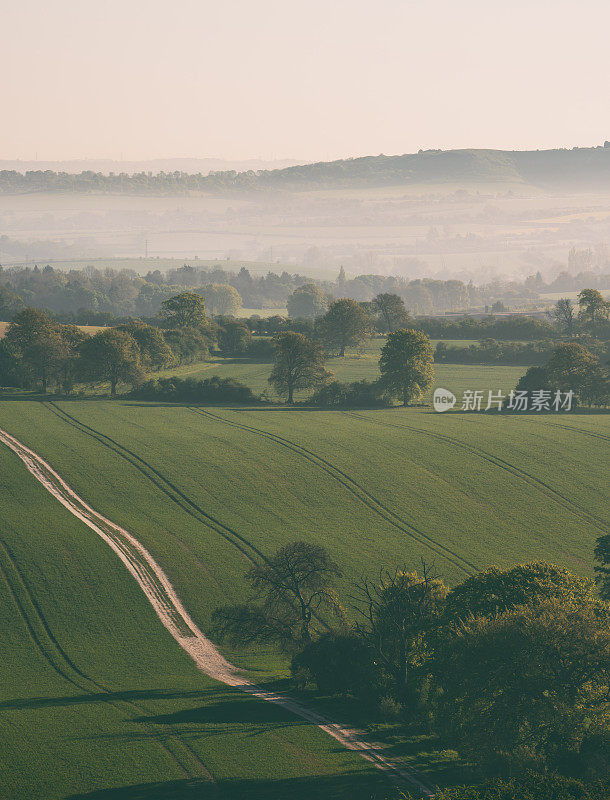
point(166, 603)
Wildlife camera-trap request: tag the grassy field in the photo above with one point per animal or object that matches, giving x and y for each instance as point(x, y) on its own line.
point(456, 377)
point(464, 490)
point(86, 662)
point(354, 366)
point(97, 700)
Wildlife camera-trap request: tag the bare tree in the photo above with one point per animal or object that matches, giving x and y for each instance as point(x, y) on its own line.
point(290, 591)
point(563, 313)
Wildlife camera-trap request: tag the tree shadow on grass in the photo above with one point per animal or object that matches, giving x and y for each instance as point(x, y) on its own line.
point(348, 786)
point(248, 710)
point(103, 697)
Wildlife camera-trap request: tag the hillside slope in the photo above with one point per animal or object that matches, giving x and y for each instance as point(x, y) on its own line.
point(576, 168)
point(98, 701)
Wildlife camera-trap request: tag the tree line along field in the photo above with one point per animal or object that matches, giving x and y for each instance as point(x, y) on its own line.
point(206, 490)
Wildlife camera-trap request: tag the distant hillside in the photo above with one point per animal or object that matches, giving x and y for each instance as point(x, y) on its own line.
point(105, 166)
point(579, 167)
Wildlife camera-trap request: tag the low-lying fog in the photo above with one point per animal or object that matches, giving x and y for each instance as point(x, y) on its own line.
point(465, 232)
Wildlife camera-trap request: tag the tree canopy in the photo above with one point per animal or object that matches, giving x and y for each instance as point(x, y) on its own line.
point(345, 324)
point(185, 310)
point(406, 364)
point(111, 355)
point(299, 364)
point(308, 301)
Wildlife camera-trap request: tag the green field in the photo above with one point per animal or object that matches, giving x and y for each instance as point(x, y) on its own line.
point(96, 692)
point(98, 701)
point(456, 377)
point(354, 366)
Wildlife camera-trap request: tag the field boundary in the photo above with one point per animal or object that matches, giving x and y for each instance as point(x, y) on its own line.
point(162, 597)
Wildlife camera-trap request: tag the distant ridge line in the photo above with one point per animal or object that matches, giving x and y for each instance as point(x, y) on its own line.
point(578, 167)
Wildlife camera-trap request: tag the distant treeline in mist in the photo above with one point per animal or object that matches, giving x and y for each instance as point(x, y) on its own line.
point(100, 296)
point(97, 296)
point(579, 166)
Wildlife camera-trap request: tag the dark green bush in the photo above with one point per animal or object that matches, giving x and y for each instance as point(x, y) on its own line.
point(191, 390)
point(532, 786)
point(336, 664)
point(359, 394)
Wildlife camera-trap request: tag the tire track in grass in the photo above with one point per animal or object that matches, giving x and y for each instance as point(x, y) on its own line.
point(356, 489)
point(172, 614)
point(50, 649)
point(247, 549)
point(575, 429)
point(544, 488)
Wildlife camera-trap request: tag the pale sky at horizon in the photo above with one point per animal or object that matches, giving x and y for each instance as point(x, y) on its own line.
point(303, 79)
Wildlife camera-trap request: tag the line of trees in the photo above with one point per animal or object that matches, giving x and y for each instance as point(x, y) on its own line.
point(405, 364)
point(508, 667)
point(124, 292)
point(40, 353)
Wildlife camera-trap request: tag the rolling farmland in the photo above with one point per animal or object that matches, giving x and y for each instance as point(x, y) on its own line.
point(100, 702)
point(207, 491)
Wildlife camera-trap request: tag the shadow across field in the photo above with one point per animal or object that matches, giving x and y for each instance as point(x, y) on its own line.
point(230, 711)
point(101, 697)
point(218, 707)
point(348, 786)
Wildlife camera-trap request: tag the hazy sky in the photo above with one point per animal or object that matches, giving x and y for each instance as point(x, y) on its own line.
point(310, 79)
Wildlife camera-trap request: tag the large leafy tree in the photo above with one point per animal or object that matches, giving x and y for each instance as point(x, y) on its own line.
point(221, 298)
point(527, 687)
point(185, 310)
point(593, 308)
point(154, 350)
point(563, 312)
point(42, 349)
point(406, 365)
point(394, 613)
point(391, 310)
point(299, 364)
point(308, 301)
point(290, 591)
point(188, 344)
point(345, 324)
point(111, 355)
point(573, 367)
point(234, 338)
point(10, 303)
point(496, 590)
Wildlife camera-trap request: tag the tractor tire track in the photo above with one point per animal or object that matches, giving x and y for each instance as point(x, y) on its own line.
point(247, 549)
point(50, 649)
point(174, 617)
point(355, 489)
point(544, 488)
point(594, 434)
